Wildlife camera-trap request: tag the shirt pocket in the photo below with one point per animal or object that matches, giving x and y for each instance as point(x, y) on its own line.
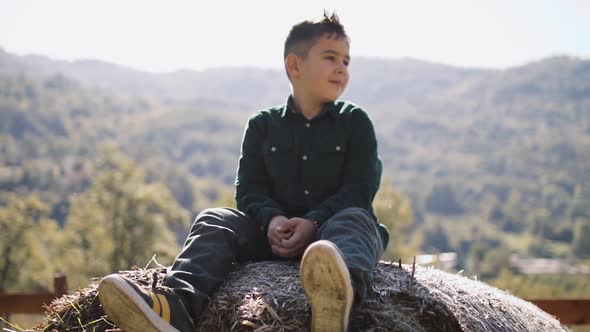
point(279, 159)
point(330, 156)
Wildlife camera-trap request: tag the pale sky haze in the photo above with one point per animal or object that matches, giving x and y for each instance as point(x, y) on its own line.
point(163, 36)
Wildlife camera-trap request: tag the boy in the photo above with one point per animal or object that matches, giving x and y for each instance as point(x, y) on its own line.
point(306, 179)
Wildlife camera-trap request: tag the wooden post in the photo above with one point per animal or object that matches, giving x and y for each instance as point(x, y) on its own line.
point(60, 285)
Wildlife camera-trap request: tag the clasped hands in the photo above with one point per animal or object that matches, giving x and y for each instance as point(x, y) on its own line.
point(289, 237)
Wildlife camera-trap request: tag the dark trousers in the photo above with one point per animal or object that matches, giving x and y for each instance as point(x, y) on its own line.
point(221, 236)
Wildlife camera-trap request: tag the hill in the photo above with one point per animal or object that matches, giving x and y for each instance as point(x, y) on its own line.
point(490, 158)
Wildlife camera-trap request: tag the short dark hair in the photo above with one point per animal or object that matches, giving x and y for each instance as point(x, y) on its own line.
point(305, 34)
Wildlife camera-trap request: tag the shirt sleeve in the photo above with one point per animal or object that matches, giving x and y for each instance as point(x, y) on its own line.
point(252, 182)
point(362, 171)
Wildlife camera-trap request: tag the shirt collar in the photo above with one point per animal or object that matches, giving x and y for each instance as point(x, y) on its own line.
point(328, 108)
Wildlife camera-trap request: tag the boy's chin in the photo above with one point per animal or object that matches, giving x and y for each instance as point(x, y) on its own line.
point(331, 98)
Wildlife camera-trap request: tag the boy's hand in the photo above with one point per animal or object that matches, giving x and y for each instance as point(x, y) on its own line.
point(303, 233)
point(276, 233)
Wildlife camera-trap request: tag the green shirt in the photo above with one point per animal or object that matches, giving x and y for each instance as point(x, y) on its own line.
point(296, 167)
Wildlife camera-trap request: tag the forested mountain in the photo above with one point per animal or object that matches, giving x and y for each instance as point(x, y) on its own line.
point(489, 158)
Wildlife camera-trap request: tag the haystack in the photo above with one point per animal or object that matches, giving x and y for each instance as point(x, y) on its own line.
point(266, 296)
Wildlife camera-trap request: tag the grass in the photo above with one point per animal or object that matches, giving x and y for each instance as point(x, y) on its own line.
point(20, 322)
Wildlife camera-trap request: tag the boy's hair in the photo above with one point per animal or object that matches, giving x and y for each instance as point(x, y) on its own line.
point(305, 34)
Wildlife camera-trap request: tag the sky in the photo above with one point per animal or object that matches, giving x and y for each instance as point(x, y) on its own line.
point(163, 36)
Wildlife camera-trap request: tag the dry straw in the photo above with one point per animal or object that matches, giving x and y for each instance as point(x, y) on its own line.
point(266, 296)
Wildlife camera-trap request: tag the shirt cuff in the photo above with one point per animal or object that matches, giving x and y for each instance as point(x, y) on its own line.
point(319, 216)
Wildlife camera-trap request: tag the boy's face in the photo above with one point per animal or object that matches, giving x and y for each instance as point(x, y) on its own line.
point(324, 73)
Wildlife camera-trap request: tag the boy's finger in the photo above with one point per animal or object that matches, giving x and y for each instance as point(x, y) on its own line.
point(289, 224)
point(274, 239)
point(292, 241)
point(282, 235)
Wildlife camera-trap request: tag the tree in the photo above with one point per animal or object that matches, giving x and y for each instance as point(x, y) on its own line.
point(539, 223)
point(18, 250)
point(514, 212)
point(493, 262)
point(475, 256)
point(442, 201)
point(394, 210)
point(435, 238)
point(581, 203)
point(121, 221)
point(581, 244)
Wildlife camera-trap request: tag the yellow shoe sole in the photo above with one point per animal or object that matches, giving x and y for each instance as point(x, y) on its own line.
point(127, 309)
point(326, 282)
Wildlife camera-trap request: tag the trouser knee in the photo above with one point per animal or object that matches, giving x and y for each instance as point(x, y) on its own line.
point(354, 215)
point(216, 217)
point(355, 233)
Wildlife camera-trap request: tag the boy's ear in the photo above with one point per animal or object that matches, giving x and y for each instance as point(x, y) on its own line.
point(292, 62)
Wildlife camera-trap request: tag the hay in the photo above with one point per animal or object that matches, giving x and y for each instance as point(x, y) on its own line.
point(266, 296)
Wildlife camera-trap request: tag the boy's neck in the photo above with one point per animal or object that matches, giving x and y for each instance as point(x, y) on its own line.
point(308, 108)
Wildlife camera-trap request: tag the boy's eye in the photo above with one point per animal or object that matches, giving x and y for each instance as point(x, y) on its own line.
point(332, 58)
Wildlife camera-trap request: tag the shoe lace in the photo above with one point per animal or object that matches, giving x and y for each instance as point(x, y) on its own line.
point(166, 290)
point(154, 280)
point(159, 288)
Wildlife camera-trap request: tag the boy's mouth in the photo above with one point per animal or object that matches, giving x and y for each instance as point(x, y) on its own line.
point(336, 82)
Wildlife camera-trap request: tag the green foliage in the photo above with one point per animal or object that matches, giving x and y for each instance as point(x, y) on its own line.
point(539, 222)
point(493, 262)
point(581, 245)
point(394, 210)
point(120, 221)
point(442, 201)
point(580, 207)
point(543, 286)
point(487, 161)
point(20, 222)
point(435, 238)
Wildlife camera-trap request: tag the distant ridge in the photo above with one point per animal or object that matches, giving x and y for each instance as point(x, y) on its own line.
point(375, 81)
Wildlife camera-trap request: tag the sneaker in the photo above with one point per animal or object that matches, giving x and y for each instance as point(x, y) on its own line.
point(134, 308)
point(327, 286)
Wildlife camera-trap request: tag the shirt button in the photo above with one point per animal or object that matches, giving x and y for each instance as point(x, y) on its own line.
point(338, 148)
point(306, 192)
point(304, 157)
point(273, 149)
point(308, 125)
